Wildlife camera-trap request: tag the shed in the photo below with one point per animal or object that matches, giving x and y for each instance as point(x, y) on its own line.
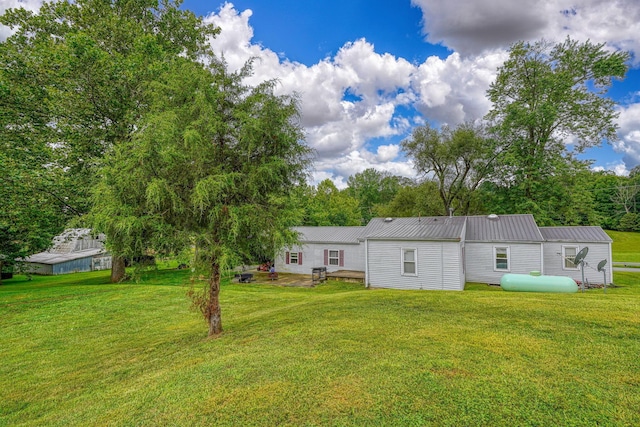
point(75, 250)
point(563, 243)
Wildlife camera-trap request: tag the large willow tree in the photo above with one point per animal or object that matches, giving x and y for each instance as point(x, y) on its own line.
point(214, 163)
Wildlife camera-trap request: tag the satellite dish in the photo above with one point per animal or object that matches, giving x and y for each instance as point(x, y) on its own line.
point(580, 255)
point(601, 264)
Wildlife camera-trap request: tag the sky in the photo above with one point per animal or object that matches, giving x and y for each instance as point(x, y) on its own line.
point(367, 72)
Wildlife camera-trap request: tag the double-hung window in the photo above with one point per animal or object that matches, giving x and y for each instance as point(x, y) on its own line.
point(568, 256)
point(409, 262)
point(501, 258)
point(334, 257)
point(293, 258)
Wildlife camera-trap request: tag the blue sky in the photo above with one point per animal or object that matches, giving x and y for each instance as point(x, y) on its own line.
point(368, 72)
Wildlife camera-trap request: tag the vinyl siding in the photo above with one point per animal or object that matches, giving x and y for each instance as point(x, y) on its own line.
point(313, 256)
point(438, 265)
point(597, 252)
point(73, 266)
point(523, 258)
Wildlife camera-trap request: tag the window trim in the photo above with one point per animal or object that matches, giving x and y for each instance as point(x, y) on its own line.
point(291, 256)
point(415, 261)
point(564, 257)
point(495, 259)
point(336, 258)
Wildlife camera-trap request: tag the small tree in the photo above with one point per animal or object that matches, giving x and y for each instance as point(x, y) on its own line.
point(458, 160)
point(214, 163)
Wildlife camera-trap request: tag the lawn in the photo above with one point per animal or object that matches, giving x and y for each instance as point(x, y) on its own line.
point(626, 246)
point(76, 350)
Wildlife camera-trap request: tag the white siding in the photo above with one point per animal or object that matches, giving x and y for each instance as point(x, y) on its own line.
point(553, 264)
point(438, 265)
point(313, 256)
point(480, 262)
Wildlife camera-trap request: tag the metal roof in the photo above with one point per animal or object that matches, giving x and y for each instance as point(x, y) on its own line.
point(575, 234)
point(427, 228)
point(503, 228)
point(57, 258)
point(326, 234)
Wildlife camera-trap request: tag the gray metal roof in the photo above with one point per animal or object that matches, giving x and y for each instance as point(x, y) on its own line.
point(322, 234)
point(52, 258)
point(74, 243)
point(503, 228)
point(426, 228)
point(590, 234)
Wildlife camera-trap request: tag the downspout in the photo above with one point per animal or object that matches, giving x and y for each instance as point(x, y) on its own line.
point(610, 264)
point(366, 263)
point(541, 257)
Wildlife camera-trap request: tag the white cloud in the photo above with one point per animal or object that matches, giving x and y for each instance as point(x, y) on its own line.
point(449, 90)
point(387, 152)
point(453, 90)
point(629, 134)
point(474, 27)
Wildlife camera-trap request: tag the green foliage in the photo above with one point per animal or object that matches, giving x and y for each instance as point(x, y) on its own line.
point(414, 200)
point(543, 96)
point(458, 160)
point(629, 222)
point(326, 205)
point(214, 164)
point(373, 189)
point(74, 81)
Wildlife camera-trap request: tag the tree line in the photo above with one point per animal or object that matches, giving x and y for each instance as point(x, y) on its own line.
point(116, 114)
point(585, 197)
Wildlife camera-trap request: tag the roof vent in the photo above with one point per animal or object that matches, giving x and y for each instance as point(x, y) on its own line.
point(492, 217)
point(388, 219)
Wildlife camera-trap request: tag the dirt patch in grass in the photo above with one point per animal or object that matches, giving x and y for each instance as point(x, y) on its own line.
point(284, 279)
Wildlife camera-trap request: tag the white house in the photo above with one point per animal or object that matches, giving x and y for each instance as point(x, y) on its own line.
point(337, 248)
point(446, 252)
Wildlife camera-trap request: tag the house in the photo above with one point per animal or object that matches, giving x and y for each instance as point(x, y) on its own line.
point(75, 250)
point(337, 248)
point(446, 252)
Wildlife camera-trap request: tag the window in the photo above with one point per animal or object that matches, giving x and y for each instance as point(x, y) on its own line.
point(501, 258)
point(334, 257)
point(409, 265)
point(293, 258)
point(568, 255)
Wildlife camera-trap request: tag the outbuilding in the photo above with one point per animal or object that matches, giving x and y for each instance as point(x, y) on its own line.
point(75, 250)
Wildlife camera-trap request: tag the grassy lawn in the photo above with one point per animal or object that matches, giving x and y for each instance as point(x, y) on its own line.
point(626, 246)
point(76, 350)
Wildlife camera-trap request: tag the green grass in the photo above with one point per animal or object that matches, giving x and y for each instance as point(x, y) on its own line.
point(626, 246)
point(76, 350)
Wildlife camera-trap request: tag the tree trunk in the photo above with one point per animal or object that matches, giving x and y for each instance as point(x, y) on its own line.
point(117, 269)
point(213, 313)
